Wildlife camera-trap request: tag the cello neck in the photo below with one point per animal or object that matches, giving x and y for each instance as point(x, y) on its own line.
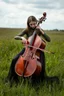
point(33, 38)
point(43, 18)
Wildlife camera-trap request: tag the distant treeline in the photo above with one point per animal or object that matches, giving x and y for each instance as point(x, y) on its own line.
point(56, 30)
point(20, 29)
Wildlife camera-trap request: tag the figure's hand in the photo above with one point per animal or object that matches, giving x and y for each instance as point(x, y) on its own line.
point(39, 28)
point(24, 41)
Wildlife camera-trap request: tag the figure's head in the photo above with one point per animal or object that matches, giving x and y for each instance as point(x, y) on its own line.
point(32, 22)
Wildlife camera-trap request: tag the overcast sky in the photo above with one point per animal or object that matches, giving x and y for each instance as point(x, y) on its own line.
point(14, 13)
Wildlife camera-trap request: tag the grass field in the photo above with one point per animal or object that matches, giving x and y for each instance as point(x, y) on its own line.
point(54, 65)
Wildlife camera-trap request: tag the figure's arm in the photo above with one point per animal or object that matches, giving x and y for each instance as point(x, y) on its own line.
point(47, 38)
point(20, 36)
point(41, 32)
point(24, 32)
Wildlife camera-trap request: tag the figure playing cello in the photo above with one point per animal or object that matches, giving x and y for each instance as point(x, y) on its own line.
point(32, 59)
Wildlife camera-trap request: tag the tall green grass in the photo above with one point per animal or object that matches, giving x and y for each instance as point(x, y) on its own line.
point(54, 65)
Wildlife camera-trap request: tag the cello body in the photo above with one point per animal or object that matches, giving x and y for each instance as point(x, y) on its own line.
point(29, 63)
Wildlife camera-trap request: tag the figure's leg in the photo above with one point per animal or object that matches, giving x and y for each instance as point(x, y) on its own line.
point(12, 75)
point(36, 79)
point(42, 60)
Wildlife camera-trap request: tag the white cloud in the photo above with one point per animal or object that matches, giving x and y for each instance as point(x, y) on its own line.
point(14, 13)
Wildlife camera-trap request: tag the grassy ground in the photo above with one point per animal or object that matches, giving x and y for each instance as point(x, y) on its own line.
point(54, 65)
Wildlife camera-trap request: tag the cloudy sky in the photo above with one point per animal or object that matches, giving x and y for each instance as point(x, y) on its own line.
point(14, 13)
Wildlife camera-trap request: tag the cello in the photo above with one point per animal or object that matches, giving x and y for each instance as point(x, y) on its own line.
point(29, 64)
